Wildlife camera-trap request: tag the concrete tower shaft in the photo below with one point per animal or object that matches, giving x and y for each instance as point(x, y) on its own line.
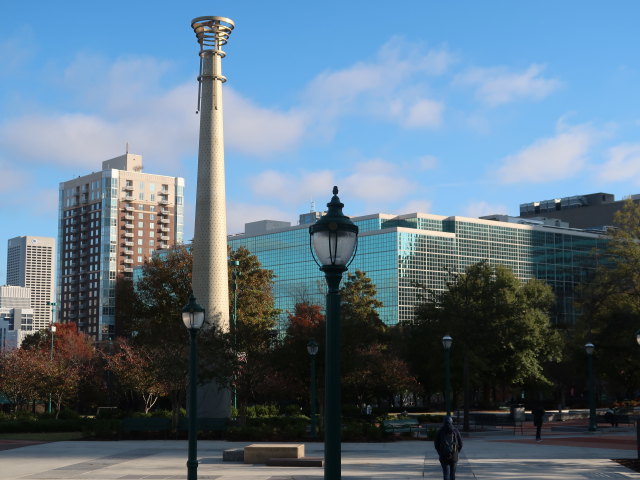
point(210, 282)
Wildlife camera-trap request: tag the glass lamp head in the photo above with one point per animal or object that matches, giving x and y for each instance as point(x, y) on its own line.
point(446, 342)
point(312, 347)
point(334, 236)
point(589, 348)
point(193, 315)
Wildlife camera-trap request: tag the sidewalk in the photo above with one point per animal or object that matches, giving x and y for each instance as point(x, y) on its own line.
point(501, 456)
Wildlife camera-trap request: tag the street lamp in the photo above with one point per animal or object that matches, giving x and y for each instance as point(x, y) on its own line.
point(446, 344)
point(589, 348)
point(193, 318)
point(53, 331)
point(234, 275)
point(638, 420)
point(312, 348)
point(333, 239)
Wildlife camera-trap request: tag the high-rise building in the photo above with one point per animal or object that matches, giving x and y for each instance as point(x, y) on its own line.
point(108, 222)
point(16, 316)
point(31, 264)
point(408, 256)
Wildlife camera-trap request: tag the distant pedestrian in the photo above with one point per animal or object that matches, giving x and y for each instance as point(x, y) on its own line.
point(538, 417)
point(611, 416)
point(448, 444)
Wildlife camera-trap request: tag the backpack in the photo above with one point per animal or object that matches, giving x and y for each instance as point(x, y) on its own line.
point(449, 447)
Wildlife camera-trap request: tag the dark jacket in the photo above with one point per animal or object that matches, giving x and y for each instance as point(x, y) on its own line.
point(538, 416)
point(446, 430)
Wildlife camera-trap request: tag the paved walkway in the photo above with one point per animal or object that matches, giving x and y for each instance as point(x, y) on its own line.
point(497, 455)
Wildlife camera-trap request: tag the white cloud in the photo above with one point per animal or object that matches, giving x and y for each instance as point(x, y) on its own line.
point(549, 159)
point(623, 163)
point(293, 188)
point(260, 131)
point(422, 113)
point(415, 206)
point(427, 162)
point(391, 88)
point(481, 208)
point(240, 213)
point(378, 181)
point(496, 86)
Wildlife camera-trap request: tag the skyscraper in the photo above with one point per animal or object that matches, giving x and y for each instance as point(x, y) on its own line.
point(30, 264)
point(108, 222)
point(412, 255)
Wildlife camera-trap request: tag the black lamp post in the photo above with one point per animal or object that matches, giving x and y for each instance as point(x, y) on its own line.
point(53, 331)
point(446, 344)
point(234, 275)
point(312, 348)
point(334, 238)
point(193, 318)
point(589, 348)
point(638, 420)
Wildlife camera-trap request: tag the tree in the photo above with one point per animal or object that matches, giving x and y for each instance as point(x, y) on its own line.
point(135, 369)
point(253, 333)
point(156, 326)
point(366, 346)
point(610, 306)
point(63, 368)
point(501, 328)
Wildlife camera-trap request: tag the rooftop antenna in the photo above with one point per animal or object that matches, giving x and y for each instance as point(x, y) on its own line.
point(313, 206)
point(127, 149)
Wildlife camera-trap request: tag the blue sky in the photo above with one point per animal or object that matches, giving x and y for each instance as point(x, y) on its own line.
point(452, 108)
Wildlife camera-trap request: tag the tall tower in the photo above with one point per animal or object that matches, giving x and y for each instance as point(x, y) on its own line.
point(210, 281)
point(31, 264)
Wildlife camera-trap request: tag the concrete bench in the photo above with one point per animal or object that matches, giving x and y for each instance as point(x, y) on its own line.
point(261, 452)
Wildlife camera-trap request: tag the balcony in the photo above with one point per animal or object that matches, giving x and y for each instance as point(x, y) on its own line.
point(164, 201)
point(128, 235)
point(128, 270)
point(128, 244)
point(128, 198)
point(165, 229)
point(164, 237)
point(129, 217)
point(128, 225)
point(128, 261)
point(128, 188)
point(164, 220)
point(128, 208)
point(164, 246)
point(128, 252)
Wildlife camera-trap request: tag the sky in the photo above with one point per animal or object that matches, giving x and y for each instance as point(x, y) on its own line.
point(453, 108)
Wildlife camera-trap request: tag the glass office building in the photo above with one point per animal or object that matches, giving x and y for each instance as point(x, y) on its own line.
point(405, 254)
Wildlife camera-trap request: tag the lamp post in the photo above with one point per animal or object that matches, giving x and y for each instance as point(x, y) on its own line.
point(638, 420)
point(312, 348)
point(53, 331)
point(333, 238)
point(446, 344)
point(234, 275)
point(193, 318)
point(589, 348)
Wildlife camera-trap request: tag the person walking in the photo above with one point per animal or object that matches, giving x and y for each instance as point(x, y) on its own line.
point(448, 444)
point(538, 417)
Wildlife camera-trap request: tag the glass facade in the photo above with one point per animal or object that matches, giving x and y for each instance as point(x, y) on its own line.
point(405, 254)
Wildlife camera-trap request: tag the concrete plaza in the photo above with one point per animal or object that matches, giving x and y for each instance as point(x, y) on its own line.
point(500, 455)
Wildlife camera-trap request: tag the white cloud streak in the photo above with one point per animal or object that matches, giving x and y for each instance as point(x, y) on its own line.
point(623, 164)
point(498, 85)
point(549, 159)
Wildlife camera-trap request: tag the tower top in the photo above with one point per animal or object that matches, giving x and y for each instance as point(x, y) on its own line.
point(212, 32)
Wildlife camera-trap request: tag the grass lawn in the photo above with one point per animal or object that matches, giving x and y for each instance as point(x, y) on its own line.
point(42, 437)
